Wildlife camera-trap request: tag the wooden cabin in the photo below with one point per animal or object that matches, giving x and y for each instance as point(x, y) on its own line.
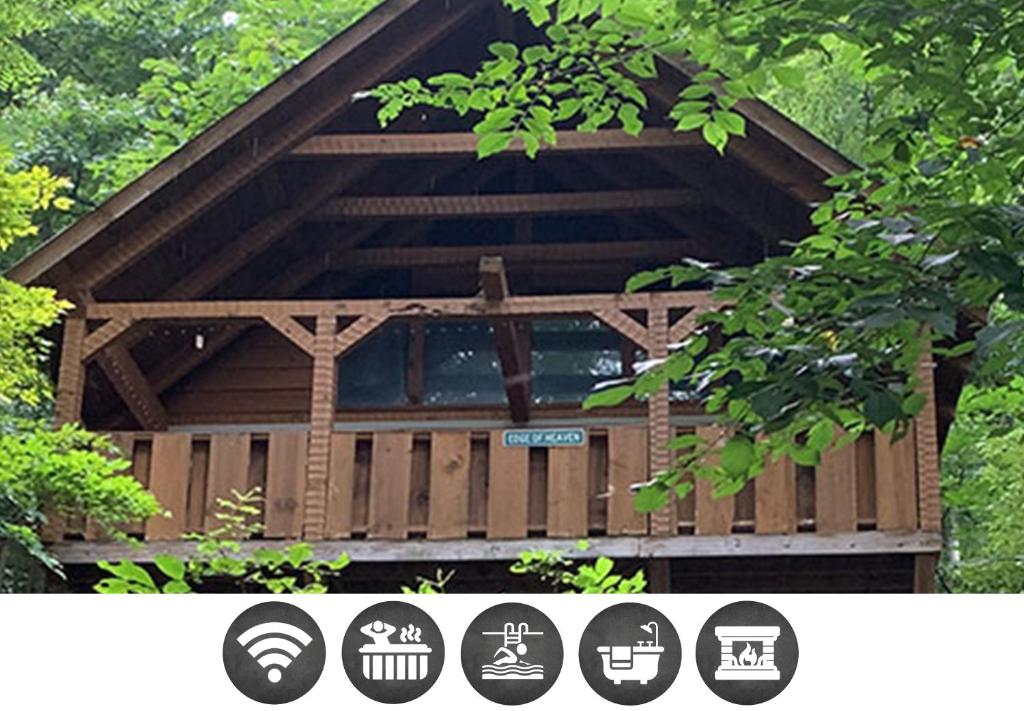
point(393, 338)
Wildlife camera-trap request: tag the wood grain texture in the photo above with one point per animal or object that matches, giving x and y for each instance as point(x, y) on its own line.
point(286, 484)
point(712, 516)
point(340, 485)
point(168, 480)
point(390, 469)
point(775, 498)
point(567, 491)
point(835, 491)
point(228, 470)
point(449, 485)
point(627, 465)
point(896, 483)
point(507, 491)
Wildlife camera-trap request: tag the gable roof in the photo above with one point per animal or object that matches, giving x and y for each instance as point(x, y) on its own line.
point(268, 126)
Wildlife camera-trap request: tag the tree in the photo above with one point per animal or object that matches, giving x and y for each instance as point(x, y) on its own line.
point(911, 252)
point(45, 473)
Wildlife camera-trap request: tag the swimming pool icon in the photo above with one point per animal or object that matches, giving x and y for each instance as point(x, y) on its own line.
point(508, 662)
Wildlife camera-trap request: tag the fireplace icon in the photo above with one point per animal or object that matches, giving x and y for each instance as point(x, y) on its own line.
point(748, 653)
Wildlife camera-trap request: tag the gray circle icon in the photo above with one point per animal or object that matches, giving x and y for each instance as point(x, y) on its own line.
point(747, 653)
point(630, 654)
point(512, 654)
point(274, 652)
point(393, 652)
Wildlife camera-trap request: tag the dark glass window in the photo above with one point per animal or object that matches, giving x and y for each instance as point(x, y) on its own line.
point(570, 356)
point(460, 364)
point(373, 373)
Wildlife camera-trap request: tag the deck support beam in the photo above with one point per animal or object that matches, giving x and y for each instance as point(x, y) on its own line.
point(510, 341)
point(664, 520)
point(321, 422)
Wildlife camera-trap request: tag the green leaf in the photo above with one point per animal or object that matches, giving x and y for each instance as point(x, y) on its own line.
point(732, 122)
point(715, 135)
point(882, 407)
point(169, 565)
point(504, 50)
point(608, 397)
point(650, 498)
point(692, 121)
point(820, 435)
point(790, 77)
point(493, 143)
point(738, 455)
point(629, 115)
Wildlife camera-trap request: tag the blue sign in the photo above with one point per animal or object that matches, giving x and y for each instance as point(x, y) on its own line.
point(569, 437)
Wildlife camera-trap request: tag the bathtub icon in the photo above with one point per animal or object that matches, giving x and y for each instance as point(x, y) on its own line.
point(636, 662)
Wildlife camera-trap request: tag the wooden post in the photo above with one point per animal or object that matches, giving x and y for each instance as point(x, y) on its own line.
point(71, 378)
point(321, 422)
point(663, 521)
point(929, 504)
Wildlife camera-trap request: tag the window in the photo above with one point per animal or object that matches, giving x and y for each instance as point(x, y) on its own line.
point(570, 356)
point(460, 364)
point(373, 373)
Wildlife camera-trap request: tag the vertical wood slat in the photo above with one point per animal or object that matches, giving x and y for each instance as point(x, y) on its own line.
point(341, 485)
point(286, 483)
point(125, 444)
point(627, 465)
point(195, 517)
point(895, 483)
point(227, 471)
point(835, 491)
point(712, 517)
point(321, 421)
point(567, 491)
point(171, 463)
point(390, 474)
point(507, 495)
point(775, 498)
point(448, 516)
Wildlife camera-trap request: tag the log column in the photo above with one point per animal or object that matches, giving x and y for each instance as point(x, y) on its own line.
point(321, 423)
point(71, 378)
point(664, 520)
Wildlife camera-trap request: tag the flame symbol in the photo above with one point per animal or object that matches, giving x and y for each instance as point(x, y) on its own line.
point(748, 657)
point(411, 633)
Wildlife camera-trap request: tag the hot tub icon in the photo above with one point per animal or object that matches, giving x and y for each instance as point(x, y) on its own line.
point(384, 660)
point(636, 662)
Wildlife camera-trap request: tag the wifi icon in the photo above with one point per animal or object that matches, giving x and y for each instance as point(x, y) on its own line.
point(274, 646)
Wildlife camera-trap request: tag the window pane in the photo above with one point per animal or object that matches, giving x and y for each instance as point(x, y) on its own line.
point(373, 373)
point(461, 364)
point(570, 356)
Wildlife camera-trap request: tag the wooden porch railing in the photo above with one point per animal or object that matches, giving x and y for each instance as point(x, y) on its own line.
point(444, 485)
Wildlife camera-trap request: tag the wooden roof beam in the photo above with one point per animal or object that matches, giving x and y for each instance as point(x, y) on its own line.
point(528, 254)
point(510, 341)
point(407, 145)
point(455, 206)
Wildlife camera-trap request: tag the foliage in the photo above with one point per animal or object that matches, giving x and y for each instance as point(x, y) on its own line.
point(62, 473)
point(430, 586)
point(916, 245)
point(219, 556)
point(563, 576)
point(983, 491)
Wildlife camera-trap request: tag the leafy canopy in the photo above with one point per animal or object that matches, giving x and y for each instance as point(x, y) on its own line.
point(914, 246)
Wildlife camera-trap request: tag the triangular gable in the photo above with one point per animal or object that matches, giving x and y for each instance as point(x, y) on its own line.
point(202, 173)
